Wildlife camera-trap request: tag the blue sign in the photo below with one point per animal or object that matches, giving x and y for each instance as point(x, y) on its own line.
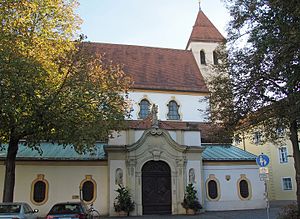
point(262, 160)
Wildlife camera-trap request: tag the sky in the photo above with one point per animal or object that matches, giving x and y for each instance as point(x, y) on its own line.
point(156, 23)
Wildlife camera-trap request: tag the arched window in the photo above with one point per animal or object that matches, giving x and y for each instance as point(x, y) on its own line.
point(88, 189)
point(39, 190)
point(173, 110)
point(202, 58)
point(215, 58)
point(144, 108)
point(244, 188)
point(212, 188)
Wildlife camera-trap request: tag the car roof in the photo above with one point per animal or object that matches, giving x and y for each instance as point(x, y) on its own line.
point(13, 203)
point(63, 203)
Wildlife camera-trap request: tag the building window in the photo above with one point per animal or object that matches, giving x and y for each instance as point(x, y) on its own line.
point(244, 188)
point(173, 110)
point(202, 58)
point(283, 157)
point(144, 109)
point(280, 132)
point(287, 183)
point(88, 189)
point(257, 137)
point(39, 190)
point(212, 188)
point(215, 58)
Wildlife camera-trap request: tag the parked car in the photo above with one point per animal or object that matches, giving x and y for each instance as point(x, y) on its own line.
point(17, 210)
point(69, 210)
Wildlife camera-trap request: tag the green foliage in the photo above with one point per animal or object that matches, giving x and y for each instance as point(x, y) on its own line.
point(261, 69)
point(123, 201)
point(190, 200)
point(52, 87)
point(288, 212)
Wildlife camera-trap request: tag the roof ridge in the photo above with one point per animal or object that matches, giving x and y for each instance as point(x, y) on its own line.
point(148, 47)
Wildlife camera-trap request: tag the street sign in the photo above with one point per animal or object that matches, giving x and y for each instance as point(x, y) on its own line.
point(263, 170)
point(264, 176)
point(262, 160)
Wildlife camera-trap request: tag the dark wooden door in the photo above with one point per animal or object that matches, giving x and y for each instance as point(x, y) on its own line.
point(156, 188)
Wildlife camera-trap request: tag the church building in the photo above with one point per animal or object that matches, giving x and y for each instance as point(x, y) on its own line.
point(167, 144)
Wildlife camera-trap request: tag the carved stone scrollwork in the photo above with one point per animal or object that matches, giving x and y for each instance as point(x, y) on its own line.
point(155, 131)
point(156, 154)
point(180, 166)
point(131, 163)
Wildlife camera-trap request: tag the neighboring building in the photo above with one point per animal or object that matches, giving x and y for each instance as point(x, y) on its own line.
point(282, 183)
point(165, 147)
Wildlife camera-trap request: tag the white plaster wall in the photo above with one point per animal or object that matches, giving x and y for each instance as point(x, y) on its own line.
point(114, 165)
point(117, 138)
point(64, 182)
point(229, 199)
point(138, 134)
point(189, 105)
point(197, 167)
point(208, 48)
point(192, 138)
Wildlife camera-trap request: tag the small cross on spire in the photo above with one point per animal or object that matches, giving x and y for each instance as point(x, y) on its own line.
point(199, 5)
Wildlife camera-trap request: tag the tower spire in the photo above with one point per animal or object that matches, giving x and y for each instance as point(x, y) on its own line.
point(199, 1)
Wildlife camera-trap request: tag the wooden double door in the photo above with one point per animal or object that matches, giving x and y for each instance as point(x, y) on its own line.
point(156, 188)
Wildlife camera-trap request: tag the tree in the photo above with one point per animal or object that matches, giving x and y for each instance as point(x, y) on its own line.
point(51, 87)
point(261, 71)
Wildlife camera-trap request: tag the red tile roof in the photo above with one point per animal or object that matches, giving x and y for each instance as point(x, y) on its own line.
point(205, 31)
point(155, 68)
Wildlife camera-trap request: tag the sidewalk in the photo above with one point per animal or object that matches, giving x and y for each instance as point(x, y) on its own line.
point(243, 214)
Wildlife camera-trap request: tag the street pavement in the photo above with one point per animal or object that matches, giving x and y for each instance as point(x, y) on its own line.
point(244, 214)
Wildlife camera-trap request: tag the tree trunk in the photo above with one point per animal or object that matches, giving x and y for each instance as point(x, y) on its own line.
point(10, 166)
point(296, 155)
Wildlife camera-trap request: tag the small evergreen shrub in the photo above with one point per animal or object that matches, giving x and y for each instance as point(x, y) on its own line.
point(190, 200)
point(123, 201)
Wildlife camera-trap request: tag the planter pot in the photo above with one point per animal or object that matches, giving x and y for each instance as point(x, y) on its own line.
point(122, 213)
point(190, 211)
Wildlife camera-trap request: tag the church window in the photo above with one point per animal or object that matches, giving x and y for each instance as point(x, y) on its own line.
point(39, 190)
point(283, 156)
point(88, 189)
point(212, 188)
point(202, 58)
point(144, 109)
point(244, 188)
point(215, 58)
point(173, 110)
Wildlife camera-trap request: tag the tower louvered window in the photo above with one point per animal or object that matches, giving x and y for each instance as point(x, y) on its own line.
point(202, 58)
point(215, 58)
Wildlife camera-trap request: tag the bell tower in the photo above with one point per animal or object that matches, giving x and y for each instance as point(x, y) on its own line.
point(203, 42)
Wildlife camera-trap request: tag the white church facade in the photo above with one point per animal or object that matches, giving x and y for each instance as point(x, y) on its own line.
point(167, 145)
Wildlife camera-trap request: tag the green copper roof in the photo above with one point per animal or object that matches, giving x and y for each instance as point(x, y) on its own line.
point(51, 151)
point(217, 152)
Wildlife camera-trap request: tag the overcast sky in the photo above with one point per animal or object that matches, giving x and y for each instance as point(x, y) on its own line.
point(158, 23)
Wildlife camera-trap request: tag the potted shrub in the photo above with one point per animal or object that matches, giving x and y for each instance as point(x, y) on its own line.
point(190, 201)
point(123, 203)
